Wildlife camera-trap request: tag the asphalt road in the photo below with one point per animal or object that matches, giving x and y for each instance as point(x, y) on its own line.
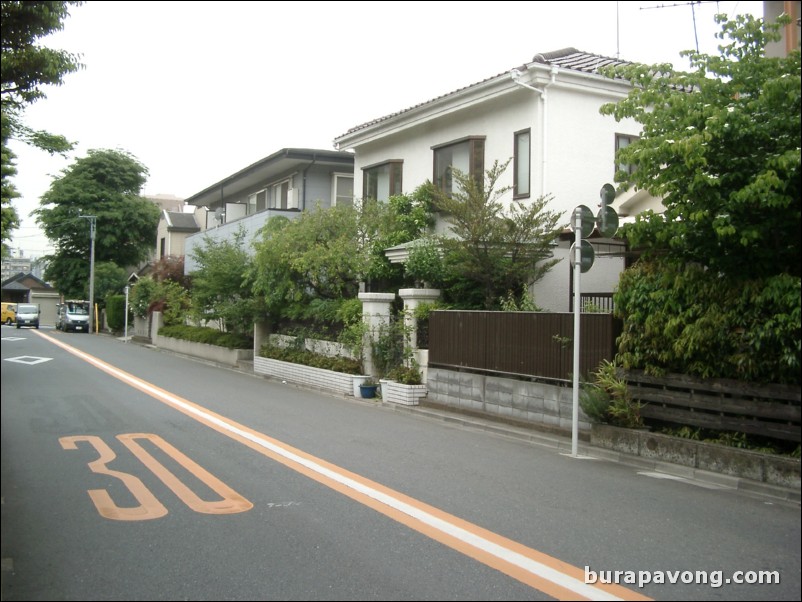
point(133, 474)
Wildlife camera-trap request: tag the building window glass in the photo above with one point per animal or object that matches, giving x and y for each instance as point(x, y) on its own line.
point(622, 141)
point(257, 202)
point(522, 164)
point(380, 182)
point(283, 195)
point(342, 189)
point(468, 156)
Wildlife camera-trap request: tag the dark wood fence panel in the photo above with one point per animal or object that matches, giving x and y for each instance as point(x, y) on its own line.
point(534, 344)
point(725, 405)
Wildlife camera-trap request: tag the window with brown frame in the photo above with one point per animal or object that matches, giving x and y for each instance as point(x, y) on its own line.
point(467, 155)
point(622, 141)
point(382, 180)
point(522, 164)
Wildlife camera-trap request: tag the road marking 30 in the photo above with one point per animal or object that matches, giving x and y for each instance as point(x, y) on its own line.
point(540, 571)
point(150, 507)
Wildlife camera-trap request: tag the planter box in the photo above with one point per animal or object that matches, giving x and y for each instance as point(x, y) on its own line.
point(408, 395)
point(307, 376)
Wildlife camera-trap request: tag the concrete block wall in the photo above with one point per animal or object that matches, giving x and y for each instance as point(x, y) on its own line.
point(519, 400)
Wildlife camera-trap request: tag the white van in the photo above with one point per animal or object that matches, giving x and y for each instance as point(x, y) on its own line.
point(28, 314)
point(73, 315)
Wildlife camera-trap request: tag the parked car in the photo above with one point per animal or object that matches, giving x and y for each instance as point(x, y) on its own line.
point(73, 315)
point(9, 313)
point(27, 315)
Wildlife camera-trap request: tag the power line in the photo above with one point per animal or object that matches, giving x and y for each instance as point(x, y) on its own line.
point(693, 14)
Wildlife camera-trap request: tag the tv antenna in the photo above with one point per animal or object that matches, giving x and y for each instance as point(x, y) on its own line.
point(693, 13)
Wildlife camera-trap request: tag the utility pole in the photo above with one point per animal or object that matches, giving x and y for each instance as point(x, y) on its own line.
point(92, 219)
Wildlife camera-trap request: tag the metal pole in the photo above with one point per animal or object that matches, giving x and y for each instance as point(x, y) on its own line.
point(91, 219)
point(577, 309)
point(92, 324)
point(126, 314)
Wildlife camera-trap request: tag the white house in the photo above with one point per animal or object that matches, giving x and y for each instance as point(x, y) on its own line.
point(544, 115)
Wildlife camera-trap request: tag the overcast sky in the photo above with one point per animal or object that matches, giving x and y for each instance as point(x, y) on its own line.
point(199, 90)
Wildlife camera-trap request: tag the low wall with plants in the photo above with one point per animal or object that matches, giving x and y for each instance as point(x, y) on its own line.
point(307, 376)
point(318, 346)
point(205, 343)
point(743, 463)
point(213, 353)
point(408, 395)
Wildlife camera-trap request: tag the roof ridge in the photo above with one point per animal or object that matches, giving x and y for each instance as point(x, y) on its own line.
point(565, 58)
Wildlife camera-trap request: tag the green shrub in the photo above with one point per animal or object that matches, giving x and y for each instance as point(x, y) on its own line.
point(606, 398)
point(115, 312)
point(210, 336)
point(406, 375)
point(308, 358)
point(594, 401)
point(689, 320)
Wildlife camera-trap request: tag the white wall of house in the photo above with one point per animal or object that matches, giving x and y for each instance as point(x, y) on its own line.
point(553, 291)
point(578, 160)
point(572, 151)
point(174, 242)
point(161, 235)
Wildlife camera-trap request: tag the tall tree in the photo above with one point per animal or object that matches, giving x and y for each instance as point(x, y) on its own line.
point(26, 69)
point(9, 218)
point(221, 286)
point(720, 145)
point(716, 292)
point(494, 251)
point(105, 184)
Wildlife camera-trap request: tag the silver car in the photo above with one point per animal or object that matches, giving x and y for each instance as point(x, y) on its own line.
point(73, 315)
point(28, 314)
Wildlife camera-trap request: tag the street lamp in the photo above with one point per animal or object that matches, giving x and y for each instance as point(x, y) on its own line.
point(92, 219)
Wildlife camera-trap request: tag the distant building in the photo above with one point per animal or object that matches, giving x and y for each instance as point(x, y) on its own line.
point(15, 265)
point(167, 202)
point(174, 228)
point(790, 33)
point(27, 288)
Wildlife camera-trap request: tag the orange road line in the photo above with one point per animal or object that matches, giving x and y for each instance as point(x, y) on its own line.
point(545, 573)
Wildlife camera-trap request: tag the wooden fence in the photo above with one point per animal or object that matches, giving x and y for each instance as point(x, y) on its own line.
point(520, 343)
point(722, 405)
point(540, 345)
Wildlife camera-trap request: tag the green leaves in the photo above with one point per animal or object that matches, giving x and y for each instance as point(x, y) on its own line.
point(104, 184)
point(26, 69)
point(721, 145)
point(687, 320)
point(327, 252)
point(221, 284)
point(491, 250)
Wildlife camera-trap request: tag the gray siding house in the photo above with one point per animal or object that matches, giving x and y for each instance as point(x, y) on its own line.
point(285, 183)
